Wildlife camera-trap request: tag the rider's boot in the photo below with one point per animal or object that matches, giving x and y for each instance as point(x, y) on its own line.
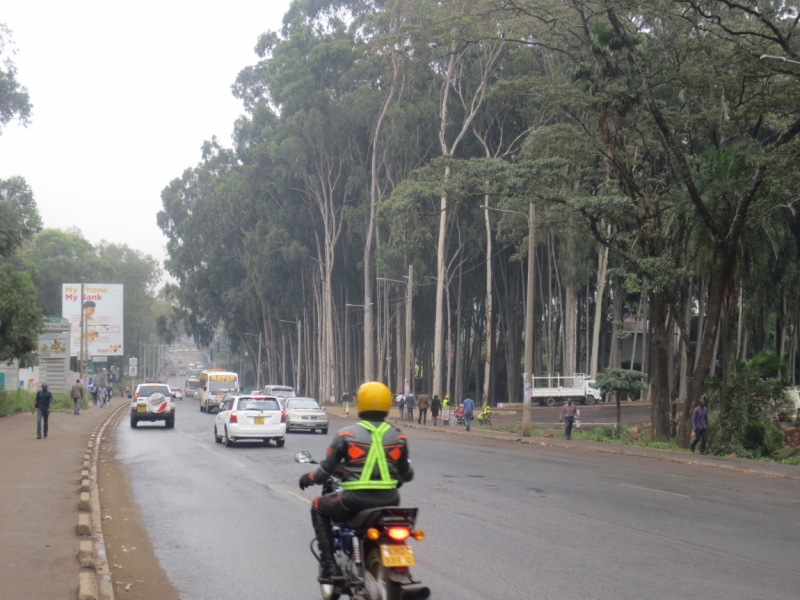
point(322, 527)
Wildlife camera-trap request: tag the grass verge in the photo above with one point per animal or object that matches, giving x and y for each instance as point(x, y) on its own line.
point(22, 401)
point(631, 436)
point(605, 433)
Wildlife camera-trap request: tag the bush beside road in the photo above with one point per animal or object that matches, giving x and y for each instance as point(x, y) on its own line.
point(20, 401)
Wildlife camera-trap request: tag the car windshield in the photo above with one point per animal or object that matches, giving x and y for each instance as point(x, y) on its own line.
point(264, 404)
point(221, 386)
point(302, 403)
point(149, 390)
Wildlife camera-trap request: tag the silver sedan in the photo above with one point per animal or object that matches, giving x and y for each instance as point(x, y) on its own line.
point(305, 414)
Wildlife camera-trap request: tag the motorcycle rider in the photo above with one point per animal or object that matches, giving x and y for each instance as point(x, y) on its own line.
point(371, 460)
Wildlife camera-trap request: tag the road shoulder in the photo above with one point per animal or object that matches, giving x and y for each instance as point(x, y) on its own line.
point(136, 572)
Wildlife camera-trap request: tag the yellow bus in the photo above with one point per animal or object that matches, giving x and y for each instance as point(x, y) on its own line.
point(215, 384)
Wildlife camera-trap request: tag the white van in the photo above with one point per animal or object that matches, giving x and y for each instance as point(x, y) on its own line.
point(281, 392)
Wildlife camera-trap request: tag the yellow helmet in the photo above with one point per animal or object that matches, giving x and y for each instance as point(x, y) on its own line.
point(373, 396)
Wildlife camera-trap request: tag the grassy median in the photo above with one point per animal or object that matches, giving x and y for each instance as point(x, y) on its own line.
point(22, 401)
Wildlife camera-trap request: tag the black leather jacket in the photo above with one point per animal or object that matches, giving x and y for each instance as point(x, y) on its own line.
point(348, 452)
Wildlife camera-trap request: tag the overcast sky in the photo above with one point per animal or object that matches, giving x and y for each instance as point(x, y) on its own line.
point(123, 94)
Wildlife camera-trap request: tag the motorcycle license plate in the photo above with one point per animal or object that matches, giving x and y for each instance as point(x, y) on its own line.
point(258, 420)
point(141, 409)
point(397, 556)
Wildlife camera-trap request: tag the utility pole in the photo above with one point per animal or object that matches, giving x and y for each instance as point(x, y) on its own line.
point(258, 374)
point(528, 375)
point(83, 334)
point(526, 403)
point(409, 299)
point(299, 353)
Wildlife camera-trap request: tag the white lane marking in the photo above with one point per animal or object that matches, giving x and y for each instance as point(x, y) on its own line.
point(638, 487)
point(299, 497)
point(500, 462)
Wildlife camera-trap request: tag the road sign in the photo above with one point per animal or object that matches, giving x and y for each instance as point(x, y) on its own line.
point(132, 371)
point(133, 362)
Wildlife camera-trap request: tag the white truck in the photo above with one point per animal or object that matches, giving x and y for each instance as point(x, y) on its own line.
point(557, 389)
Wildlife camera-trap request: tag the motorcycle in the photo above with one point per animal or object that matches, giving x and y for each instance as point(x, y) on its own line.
point(371, 551)
point(457, 418)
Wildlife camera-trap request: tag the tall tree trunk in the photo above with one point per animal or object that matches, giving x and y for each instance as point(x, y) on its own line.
point(487, 374)
point(570, 329)
point(461, 350)
point(658, 364)
point(602, 267)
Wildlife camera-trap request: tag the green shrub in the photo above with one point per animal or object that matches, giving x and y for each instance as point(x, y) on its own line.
point(745, 426)
point(20, 401)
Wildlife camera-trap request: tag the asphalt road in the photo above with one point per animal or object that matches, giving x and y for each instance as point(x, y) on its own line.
point(501, 520)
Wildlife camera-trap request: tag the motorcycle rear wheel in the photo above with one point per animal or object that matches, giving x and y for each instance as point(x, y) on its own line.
point(385, 587)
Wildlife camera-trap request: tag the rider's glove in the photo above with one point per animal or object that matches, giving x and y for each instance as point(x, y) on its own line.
point(307, 480)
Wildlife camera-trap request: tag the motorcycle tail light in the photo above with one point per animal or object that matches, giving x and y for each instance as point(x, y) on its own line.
point(398, 534)
point(418, 535)
point(373, 534)
point(283, 417)
point(234, 418)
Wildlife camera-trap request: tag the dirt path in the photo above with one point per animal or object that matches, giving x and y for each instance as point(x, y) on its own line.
point(134, 567)
point(39, 493)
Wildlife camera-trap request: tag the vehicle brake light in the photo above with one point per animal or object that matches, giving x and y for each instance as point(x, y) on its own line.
point(234, 418)
point(283, 417)
point(136, 395)
point(398, 534)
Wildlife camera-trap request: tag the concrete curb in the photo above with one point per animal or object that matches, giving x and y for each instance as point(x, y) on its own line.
point(740, 465)
point(94, 579)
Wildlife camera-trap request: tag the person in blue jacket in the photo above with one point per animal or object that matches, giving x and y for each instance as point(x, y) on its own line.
point(469, 407)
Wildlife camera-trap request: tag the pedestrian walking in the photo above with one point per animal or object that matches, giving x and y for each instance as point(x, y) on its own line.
point(436, 405)
point(44, 400)
point(422, 405)
point(567, 417)
point(101, 395)
point(76, 393)
point(346, 403)
point(93, 391)
point(468, 406)
point(401, 404)
point(411, 402)
point(700, 425)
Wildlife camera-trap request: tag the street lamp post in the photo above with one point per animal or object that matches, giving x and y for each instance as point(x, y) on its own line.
point(409, 299)
point(780, 58)
point(528, 376)
point(299, 324)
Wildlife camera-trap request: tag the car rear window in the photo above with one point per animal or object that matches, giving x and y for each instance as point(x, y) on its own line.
point(149, 390)
point(302, 403)
point(265, 404)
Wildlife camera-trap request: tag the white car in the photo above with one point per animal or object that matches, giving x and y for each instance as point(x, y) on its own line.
point(176, 393)
point(305, 413)
point(152, 402)
point(250, 418)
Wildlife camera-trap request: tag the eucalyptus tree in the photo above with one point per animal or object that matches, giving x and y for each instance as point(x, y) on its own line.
point(20, 317)
point(15, 103)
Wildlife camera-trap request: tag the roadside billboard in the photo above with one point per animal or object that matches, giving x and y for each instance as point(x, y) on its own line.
point(53, 345)
point(103, 310)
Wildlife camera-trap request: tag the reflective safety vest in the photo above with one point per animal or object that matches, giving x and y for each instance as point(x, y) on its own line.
point(375, 456)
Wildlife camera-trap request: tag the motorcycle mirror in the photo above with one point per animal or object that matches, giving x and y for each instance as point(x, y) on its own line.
point(303, 457)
